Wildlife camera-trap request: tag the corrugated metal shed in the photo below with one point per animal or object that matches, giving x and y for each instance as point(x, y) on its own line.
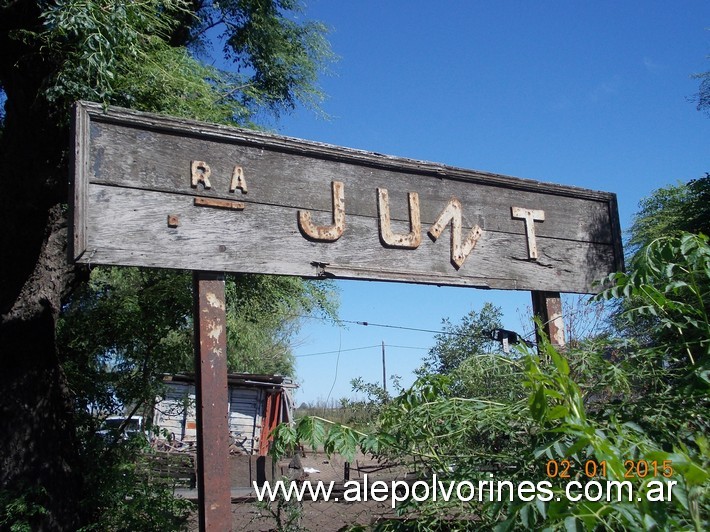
point(257, 403)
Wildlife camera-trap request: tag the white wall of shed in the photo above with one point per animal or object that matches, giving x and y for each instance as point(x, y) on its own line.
point(246, 414)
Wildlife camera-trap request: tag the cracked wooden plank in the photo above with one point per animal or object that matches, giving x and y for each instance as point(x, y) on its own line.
point(360, 213)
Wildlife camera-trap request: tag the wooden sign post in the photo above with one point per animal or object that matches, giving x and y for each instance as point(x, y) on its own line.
point(160, 192)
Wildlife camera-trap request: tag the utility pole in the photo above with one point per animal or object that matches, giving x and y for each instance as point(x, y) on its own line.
point(384, 371)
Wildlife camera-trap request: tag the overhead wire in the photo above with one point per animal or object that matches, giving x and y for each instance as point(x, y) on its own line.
point(485, 334)
point(337, 363)
point(401, 327)
point(378, 346)
point(337, 351)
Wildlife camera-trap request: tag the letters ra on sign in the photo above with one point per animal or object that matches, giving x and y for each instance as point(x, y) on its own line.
point(161, 192)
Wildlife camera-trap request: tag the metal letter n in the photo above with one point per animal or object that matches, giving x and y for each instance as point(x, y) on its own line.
point(409, 240)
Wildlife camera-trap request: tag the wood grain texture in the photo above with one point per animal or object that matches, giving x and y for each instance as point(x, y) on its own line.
point(78, 183)
point(138, 170)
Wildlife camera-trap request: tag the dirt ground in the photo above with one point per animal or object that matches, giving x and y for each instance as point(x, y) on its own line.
point(315, 516)
point(325, 516)
point(320, 516)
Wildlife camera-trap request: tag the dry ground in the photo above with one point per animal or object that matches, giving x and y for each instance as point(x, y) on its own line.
point(322, 516)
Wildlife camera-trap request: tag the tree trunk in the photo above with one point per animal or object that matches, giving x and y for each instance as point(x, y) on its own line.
point(39, 455)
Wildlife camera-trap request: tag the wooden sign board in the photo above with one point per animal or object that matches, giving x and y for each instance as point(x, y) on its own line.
point(161, 192)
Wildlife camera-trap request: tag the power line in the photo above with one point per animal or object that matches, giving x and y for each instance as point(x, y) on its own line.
point(505, 337)
point(406, 347)
point(337, 363)
point(337, 351)
point(368, 324)
point(401, 327)
point(485, 334)
point(360, 349)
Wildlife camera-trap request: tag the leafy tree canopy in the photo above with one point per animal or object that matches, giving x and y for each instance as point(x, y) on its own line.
point(126, 327)
point(703, 96)
point(467, 354)
point(636, 415)
point(145, 55)
point(459, 342)
point(670, 211)
point(150, 55)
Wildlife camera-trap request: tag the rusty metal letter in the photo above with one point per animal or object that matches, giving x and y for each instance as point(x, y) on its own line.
point(453, 212)
point(326, 233)
point(530, 216)
point(200, 171)
point(238, 180)
point(410, 240)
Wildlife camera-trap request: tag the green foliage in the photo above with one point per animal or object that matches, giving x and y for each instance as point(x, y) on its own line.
point(21, 511)
point(603, 401)
point(317, 433)
point(124, 328)
point(94, 44)
point(362, 413)
point(569, 433)
point(282, 54)
point(134, 54)
point(465, 351)
point(375, 393)
point(122, 331)
point(264, 315)
point(490, 376)
point(458, 342)
point(703, 96)
point(670, 211)
point(122, 497)
point(670, 280)
point(287, 515)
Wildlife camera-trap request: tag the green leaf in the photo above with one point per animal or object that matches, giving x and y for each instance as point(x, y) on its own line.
point(634, 426)
point(571, 524)
point(541, 507)
point(559, 361)
point(649, 522)
point(538, 404)
point(526, 516)
point(557, 412)
point(311, 430)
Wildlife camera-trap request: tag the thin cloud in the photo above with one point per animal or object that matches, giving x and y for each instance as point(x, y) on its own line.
point(652, 66)
point(605, 89)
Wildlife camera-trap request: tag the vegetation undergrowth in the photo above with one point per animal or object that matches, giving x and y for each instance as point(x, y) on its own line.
point(611, 409)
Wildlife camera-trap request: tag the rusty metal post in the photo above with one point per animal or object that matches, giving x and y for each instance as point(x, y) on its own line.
point(213, 478)
point(547, 306)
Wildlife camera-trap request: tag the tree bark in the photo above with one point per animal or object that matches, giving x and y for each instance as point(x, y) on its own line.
point(39, 456)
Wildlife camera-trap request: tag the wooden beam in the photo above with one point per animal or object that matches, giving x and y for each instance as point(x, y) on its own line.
point(158, 192)
point(213, 478)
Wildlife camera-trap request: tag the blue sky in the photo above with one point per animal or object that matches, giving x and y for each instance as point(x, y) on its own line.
point(590, 94)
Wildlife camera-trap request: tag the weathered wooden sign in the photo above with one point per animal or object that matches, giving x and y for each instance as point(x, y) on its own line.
point(161, 192)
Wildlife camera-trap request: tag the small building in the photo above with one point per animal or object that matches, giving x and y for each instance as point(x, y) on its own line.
point(257, 404)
